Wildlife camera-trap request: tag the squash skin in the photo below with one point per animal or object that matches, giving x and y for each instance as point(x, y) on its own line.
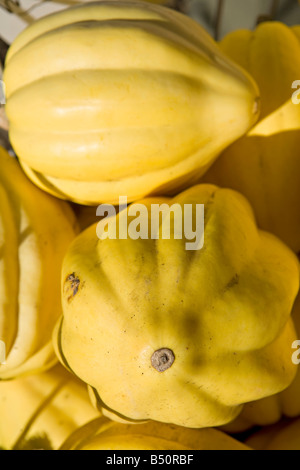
point(107, 119)
point(41, 410)
point(35, 232)
point(104, 434)
point(224, 311)
point(264, 164)
point(273, 409)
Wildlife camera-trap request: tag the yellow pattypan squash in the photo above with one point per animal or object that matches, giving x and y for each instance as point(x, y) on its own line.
point(35, 232)
point(117, 98)
point(264, 164)
point(40, 410)
point(285, 404)
point(104, 434)
point(161, 332)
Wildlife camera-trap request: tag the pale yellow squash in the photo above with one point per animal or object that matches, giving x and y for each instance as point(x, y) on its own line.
point(103, 434)
point(39, 411)
point(174, 335)
point(35, 232)
point(122, 98)
point(283, 405)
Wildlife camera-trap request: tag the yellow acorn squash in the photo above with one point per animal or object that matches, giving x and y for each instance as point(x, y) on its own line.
point(121, 98)
point(103, 434)
point(39, 411)
point(161, 332)
point(35, 232)
point(264, 164)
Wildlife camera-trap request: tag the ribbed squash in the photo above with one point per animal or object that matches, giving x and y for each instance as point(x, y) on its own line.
point(39, 411)
point(163, 333)
point(285, 404)
point(264, 165)
point(103, 434)
point(121, 98)
point(35, 232)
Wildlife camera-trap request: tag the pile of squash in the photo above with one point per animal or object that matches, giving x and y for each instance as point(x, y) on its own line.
point(138, 342)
